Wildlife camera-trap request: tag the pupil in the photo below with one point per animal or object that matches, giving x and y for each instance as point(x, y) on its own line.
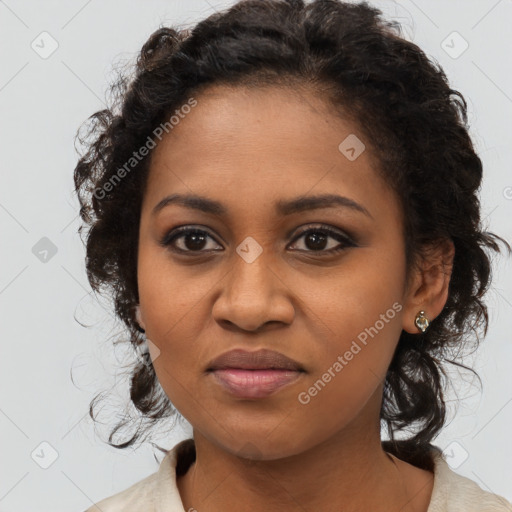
point(318, 241)
point(197, 241)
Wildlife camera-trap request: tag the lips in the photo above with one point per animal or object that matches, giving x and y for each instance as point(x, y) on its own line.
point(260, 360)
point(253, 375)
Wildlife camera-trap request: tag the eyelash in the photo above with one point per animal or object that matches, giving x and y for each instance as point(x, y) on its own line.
point(181, 232)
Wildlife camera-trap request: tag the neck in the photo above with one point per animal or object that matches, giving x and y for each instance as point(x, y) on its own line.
point(350, 472)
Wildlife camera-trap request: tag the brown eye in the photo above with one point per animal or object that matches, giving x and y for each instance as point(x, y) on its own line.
point(324, 239)
point(188, 240)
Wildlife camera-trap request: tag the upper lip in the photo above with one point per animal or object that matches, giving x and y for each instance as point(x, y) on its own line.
point(260, 360)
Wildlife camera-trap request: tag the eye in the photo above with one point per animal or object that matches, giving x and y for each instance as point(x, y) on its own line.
point(317, 240)
point(190, 240)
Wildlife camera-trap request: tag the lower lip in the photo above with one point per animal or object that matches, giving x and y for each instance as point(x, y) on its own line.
point(254, 383)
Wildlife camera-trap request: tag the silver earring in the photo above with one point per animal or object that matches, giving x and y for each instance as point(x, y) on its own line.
point(421, 321)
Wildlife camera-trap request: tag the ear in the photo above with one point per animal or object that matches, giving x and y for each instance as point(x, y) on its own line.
point(429, 283)
point(138, 317)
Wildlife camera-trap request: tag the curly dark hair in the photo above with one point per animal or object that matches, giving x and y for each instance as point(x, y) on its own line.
point(414, 122)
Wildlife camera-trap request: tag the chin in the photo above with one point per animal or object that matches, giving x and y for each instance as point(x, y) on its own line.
point(260, 446)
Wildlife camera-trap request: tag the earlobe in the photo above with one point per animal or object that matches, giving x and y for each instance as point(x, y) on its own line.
point(429, 291)
point(138, 317)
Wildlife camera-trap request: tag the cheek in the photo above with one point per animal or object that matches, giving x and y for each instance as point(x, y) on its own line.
point(363, 314)
point(357, 312)
point(173, 300)
point(364, 292)
point(168, 293)
point(354, 362)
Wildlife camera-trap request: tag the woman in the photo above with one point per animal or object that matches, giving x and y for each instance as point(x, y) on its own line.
point(283, 205)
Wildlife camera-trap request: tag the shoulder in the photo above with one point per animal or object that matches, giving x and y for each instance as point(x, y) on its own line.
point(157, 491)
point(135, 498)
point(455, 493)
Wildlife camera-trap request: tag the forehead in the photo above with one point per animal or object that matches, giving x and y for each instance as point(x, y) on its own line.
point(241, 143)
point(277, 117)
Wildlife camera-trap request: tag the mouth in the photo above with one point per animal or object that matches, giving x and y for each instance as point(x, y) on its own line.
point(254, 374)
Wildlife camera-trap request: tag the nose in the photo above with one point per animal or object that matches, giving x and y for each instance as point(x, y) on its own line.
point(253, 296)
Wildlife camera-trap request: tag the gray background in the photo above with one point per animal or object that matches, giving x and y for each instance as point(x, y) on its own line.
point(42, 102)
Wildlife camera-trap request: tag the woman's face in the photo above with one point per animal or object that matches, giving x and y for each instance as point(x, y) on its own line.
point(251, 279)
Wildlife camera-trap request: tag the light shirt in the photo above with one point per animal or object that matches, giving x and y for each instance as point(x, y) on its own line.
point(159, 493)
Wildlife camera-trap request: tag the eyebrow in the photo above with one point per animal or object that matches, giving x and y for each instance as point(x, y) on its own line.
point(283, 207)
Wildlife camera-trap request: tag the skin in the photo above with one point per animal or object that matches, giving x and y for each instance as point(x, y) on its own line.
point(248, 149)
